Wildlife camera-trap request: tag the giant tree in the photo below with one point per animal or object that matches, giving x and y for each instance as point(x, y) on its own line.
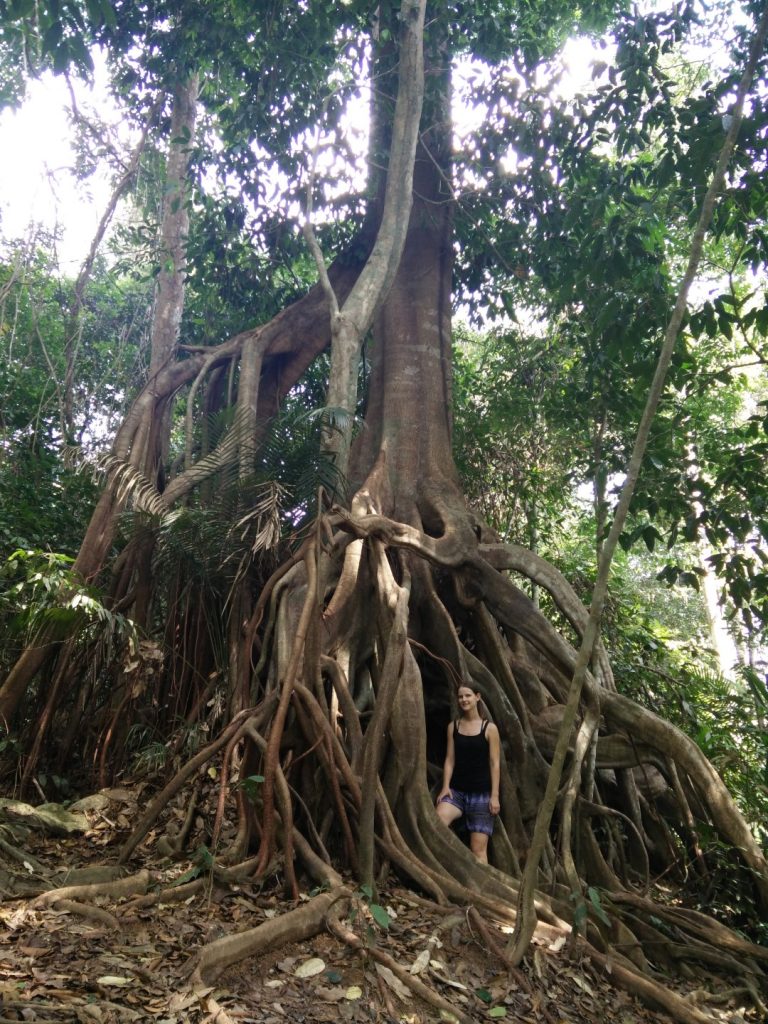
point(342, 657)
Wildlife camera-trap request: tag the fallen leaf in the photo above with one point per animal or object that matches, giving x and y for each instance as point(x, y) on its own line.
point(583, 985)
point(441, 973)
point(310, 968)
point(394, 982)
point(89, 1013)
point(201, 991)
point(330, 995)
point(421, 963)
point(181, 1001)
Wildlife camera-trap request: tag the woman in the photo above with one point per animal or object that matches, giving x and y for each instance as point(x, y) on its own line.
point(471, 773)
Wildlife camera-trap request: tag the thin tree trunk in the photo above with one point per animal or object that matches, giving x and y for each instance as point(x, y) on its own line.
point(350, 321)
point(167, 317)
point(169, 297)
point(525, 923)
point(74, 326)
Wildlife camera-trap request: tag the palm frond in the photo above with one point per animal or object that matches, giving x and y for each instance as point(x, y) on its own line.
point(131, 485)
point(264, 517)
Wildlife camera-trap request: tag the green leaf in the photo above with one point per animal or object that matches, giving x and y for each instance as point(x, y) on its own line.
point(484, 994)
point(379, 914)
point(188, 876)
point(22, 8)
point(498, 1011)
point(204, 855)
point(594, 899)
point(108, 13)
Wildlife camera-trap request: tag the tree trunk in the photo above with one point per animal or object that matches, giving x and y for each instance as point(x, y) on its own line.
point(351, 320)
point(343, 663)
point(403, 457)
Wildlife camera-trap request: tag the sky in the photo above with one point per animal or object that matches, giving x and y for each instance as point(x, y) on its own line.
point(37, 187)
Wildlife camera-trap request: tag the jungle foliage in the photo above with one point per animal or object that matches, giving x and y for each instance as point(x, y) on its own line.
point(196, 577)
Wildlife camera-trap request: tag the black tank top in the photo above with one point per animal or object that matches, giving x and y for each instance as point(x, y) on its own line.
point(472, 768)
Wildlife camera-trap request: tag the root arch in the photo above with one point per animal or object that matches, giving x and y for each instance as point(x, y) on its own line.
point(347, 729)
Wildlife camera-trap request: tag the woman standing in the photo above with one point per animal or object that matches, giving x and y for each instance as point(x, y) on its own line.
point(471, 773)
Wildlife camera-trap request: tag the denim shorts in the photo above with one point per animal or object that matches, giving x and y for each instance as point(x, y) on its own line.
point(476, 810)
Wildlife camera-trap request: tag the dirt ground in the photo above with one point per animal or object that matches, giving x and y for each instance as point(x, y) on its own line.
point(125, 961)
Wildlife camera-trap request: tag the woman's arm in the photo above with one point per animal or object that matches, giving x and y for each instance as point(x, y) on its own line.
point(450, 760)
point(494, 756)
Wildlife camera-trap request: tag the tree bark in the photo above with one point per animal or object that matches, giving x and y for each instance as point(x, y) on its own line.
point(352, 320)
point(403, 458)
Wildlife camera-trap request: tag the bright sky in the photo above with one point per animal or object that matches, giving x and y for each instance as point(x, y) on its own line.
point(37, 187)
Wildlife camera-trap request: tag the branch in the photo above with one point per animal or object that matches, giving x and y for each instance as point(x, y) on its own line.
point(309, 232)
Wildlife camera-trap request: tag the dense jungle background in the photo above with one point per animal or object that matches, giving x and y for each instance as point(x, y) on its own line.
point(418, 343)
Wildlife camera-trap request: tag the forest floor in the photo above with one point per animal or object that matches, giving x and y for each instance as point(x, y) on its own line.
point(58, 964)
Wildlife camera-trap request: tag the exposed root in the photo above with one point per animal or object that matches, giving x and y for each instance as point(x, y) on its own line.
point(490, 941)
point(175, 894)
point(704, 928)
point(161, 801)
point(418, 987)
point(701, 995)
point(96, 914)
point(354, 684)
point(294, 926)
point(21, 857)
point(650, 992)
point(138, 883)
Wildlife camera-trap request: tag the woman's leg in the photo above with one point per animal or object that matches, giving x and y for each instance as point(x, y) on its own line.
point(448, 812)
point(478, 844)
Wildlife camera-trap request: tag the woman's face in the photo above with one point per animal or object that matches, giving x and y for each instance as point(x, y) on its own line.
point(468, 699)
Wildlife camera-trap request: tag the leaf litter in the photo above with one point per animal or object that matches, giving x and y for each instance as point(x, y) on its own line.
point(61, 968)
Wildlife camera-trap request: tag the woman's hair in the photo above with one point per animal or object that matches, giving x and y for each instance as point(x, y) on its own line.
point(469, 686)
